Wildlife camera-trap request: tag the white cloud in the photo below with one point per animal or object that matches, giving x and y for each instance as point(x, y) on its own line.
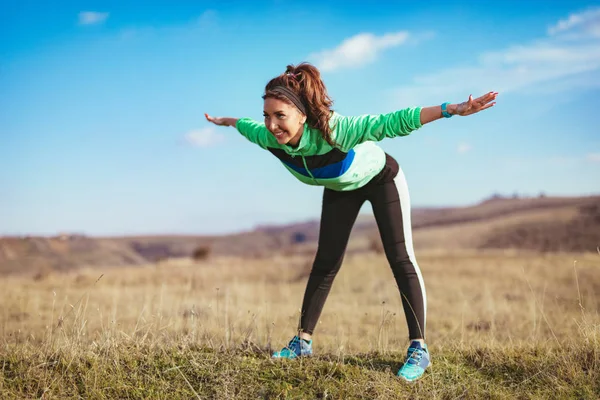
point(583, 23)
point(551, 64)
point(92, 17)
point(357, 50)
point(593, 157)
point(204, 137)
point(464, 148)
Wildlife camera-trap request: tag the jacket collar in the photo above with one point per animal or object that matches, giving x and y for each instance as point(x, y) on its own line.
point(304, 143)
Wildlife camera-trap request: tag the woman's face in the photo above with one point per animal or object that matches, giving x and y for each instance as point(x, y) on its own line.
point(284, 121)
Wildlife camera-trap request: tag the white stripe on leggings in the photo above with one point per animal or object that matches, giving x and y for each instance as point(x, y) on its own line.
point(402, 188)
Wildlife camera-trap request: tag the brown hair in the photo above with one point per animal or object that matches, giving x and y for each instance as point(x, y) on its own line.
point(305, 80)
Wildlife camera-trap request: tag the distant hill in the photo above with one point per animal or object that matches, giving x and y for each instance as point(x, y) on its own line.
point(539, 224)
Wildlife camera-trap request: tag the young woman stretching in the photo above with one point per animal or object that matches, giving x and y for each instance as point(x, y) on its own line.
point(320, 147)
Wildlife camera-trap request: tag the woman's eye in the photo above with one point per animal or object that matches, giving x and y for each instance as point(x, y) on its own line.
point(280, 116)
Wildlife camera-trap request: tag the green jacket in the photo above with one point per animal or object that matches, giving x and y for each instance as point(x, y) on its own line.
point(355, 159)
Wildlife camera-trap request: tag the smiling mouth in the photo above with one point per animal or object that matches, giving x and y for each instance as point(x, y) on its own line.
point(279, 134)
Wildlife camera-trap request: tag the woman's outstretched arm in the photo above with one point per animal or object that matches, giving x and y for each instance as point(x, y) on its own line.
point(354, 130)
point(471, 106)
point(254, 131)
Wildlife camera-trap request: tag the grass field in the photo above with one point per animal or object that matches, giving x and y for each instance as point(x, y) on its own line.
point(500, 325)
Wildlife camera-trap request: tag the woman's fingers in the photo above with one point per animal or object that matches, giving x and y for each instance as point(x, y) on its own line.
point(483, 107)
point(215, 121)
point(486, 98)
point(483, 102)
point(487, 106)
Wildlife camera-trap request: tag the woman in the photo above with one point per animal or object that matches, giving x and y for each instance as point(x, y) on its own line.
point(320, 147)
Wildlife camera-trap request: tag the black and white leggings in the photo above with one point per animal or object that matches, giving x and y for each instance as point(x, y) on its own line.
point(388, 194)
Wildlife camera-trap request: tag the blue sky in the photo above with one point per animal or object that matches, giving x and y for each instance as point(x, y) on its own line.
point(101, 105)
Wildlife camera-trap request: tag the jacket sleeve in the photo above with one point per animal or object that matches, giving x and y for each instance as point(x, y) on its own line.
point(351, 131)
point(254, 131)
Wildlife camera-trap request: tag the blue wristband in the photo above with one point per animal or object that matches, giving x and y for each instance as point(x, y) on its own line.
point(444, 112)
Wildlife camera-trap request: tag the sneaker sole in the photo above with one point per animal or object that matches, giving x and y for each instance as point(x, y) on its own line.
point(416, 379)
point(288, 358)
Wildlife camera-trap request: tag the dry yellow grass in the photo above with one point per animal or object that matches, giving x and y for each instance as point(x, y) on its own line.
point(474, 296)
point(490, 300)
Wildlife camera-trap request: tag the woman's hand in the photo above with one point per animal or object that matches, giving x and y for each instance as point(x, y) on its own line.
point(221, 121)
point(473, 106)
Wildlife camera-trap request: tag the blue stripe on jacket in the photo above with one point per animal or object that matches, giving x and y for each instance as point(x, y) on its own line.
point(329, 171)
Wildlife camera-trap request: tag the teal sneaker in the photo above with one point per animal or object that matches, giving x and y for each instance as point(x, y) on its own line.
point(417, 360)
point(296, 348)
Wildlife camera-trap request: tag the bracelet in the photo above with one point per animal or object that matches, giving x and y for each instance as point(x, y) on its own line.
point(445, 113)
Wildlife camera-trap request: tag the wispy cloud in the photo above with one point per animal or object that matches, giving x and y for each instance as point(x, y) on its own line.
point(464, 148)
point(593, 157)
point(567, 57)
point(357, 50)
point(586, 23)
point(92, 17)
point(204, 137)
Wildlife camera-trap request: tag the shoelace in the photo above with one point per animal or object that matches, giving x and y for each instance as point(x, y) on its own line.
point(415, 356)
point(293, 342)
